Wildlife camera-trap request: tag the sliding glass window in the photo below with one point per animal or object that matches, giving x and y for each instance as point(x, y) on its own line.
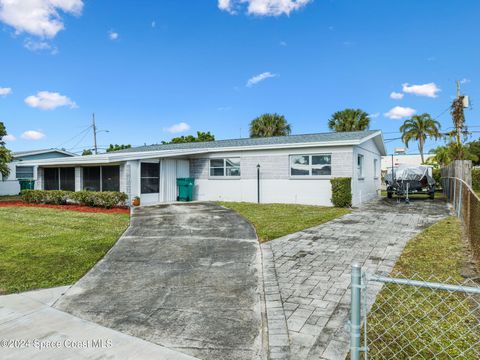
point(51, 179)
point(101, 178)
point(110, 178)
point(91, 178)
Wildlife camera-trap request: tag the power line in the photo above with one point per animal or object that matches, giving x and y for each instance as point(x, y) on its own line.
point(77, 135)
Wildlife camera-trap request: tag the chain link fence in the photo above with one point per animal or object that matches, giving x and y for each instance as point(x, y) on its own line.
point(466, 204)
point(420, 319)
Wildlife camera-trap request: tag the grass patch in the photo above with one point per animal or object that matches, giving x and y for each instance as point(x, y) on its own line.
point(272, 221)
point(42, 248)
point(408, 321)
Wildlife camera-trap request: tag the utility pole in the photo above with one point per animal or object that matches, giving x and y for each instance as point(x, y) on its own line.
point(458, 89)
point(94, 135)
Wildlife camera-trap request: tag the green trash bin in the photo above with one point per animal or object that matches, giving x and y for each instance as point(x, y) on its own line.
point(185, 189)
point(26, 184)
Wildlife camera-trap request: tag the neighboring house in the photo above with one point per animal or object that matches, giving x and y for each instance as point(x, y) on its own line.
point(19, 171)
point(293, 169)
point(403, 159)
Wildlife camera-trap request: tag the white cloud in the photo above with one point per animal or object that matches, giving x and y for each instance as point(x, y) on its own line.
point(47, 100)
point(178, 128)
point(32, 135)
point(35, 46)
point(399, 112)
point(4, 91)
point(260, 77)
point(374, 115)
point(396, 95)
point(9, 138)
point(113, 35)
point(262, 7)
point(38, 17)
point(465, 81)
point(430, 89)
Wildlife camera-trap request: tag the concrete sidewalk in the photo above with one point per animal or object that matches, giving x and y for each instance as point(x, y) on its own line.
point(30, 328)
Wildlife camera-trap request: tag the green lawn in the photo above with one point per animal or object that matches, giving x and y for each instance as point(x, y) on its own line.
point(401, 313)
point(272, 221)
point(41, 248)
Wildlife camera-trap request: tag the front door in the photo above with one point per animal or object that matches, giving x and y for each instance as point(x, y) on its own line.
point(149, 182)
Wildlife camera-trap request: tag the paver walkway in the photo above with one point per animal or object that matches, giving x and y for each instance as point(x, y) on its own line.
point(307, 274)
point(184, 276)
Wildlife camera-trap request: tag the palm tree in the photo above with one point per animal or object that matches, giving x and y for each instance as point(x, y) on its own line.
point(442, 155)
point(418, 128)
point(268, 125)
point(349, 120)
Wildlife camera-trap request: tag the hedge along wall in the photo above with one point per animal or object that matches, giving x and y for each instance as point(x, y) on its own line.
point(342, 192)
point(105, 199)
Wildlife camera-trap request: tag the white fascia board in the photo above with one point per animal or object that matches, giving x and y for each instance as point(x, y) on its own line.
point(125, 156)
point(378, 138)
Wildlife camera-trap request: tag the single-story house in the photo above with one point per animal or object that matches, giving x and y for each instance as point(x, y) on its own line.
point(291, 169)
point(18, 171)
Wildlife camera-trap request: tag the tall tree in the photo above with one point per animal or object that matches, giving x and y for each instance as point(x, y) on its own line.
point(201, 137)
point(5, 155)
point(117, 147)
point(87, 152)
point(418, 128)
point(349, 120)
point(268, 125)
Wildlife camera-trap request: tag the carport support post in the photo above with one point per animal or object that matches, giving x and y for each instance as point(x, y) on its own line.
point(258, 183)
point(355, 319)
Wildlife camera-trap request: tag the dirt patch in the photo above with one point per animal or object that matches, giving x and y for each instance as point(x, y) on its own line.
point(69, 207)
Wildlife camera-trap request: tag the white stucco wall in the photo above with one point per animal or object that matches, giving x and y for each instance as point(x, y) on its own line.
point(276, 184)
point(366, 187)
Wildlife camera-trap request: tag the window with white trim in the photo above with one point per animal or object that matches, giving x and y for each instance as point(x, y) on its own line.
point(360, 166)
point(24, 172)
point(228, 167)
point(311, 165)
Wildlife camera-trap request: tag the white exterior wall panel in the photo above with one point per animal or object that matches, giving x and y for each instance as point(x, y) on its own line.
point(366, 187)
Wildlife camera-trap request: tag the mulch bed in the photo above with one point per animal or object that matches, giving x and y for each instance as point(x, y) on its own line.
point(69, 207)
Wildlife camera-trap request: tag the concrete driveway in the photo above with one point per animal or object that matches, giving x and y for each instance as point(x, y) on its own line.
point(186, 276)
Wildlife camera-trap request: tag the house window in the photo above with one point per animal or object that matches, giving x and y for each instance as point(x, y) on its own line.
point(110, 178)
point(375, 168)
point(311, 165)
point(229, 167)
point(24, 172)
point(360, 166)
point(101, 178)
point(91, 178)
point(59, 179)
point(67, 179)
point(150, 178)
point(51, 179)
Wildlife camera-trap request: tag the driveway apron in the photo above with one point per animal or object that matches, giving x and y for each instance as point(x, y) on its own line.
point(184, 276)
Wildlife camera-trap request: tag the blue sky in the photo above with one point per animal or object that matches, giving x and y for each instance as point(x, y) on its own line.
point(147, 68)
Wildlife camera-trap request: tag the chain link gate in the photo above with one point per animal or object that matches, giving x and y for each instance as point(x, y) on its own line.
point(413, 318)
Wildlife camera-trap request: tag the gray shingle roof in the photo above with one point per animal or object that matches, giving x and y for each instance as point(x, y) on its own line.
point(277, 140)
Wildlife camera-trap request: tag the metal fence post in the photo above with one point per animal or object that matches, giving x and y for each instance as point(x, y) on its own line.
point(355, 319)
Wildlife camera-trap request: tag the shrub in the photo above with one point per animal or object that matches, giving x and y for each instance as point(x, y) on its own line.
point(341, 192)
point(437, 176)
point(476, 179)
point(105, 199)
point(54, 197)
